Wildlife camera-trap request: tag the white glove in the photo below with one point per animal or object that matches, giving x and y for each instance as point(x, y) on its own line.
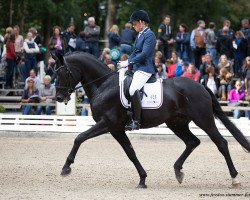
point(123, 64)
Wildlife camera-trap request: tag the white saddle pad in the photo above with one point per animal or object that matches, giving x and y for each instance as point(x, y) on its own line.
point(153, 97)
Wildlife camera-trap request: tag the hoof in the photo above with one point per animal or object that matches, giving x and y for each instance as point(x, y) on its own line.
point(141, 186)
point(65, 171)
point(236, 185)
point(179, 176)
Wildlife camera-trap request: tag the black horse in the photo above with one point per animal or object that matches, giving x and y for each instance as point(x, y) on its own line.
point(184, 101)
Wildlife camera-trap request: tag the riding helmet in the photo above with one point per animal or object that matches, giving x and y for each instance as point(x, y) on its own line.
point(139, 15)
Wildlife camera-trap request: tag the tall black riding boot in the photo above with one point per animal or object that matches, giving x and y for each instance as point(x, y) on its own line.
point(136, 109)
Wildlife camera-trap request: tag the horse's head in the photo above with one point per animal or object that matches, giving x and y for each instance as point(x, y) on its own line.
point(66, 80)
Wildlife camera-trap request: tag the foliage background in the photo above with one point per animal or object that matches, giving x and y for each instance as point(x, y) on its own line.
point(44, 14)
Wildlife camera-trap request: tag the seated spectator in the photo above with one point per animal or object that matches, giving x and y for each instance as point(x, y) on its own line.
point(208, 63)
point(225, 83)
point(124, 57)
point(108, 60)
point(113, 37)
point(211, 80)
point(181, 68)
point(161, 68)
point(192, 73)
point(224, 62)
point(160, 56)
point(246, 73)
point(47, 94)
point(30, 51)
point(35, 78)
point(171, 68)
point(106, 51)
point(30, 95)
point(236, 95)
point(81, 43)
point(175, 58)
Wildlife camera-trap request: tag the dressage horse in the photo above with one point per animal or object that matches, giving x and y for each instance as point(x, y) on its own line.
point(183, 101)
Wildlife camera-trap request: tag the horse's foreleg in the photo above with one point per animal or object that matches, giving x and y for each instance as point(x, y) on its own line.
point(123, 140)
point(98, 129)
point(191, 141)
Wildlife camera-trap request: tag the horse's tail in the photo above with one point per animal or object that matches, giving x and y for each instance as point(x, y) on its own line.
point(219, 113)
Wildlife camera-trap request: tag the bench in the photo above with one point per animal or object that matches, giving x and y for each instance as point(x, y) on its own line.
point(10, 98)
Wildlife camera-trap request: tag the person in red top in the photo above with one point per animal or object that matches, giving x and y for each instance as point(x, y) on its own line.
point(171, 68)
point(11, 60)
point(192, 73)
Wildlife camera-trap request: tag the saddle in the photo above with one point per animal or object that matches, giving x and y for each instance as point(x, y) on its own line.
point(128, 80)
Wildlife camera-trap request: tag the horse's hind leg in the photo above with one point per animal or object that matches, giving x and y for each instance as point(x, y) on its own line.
point(98, 129)
point(210, 128)
point(123, 140)
point(191, 141)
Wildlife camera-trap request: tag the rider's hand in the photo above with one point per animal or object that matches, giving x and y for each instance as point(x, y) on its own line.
point(123, 64)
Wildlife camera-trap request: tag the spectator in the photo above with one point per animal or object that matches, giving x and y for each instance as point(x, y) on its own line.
point(208, 63)
point(211, 40)
point(181, 68)
point(246, 73)
point(30, 95)
point(183, 43)
point(38, 40)
point(225, 83)
point(236, 95)
point(81, 42)
point(175, 58)
point(225, 43)
point(211, 80)
point(1, 45)
point(57, 43)
point(106, 51)
point(192, 73)
point(47, 94)
point(197, 42)
point(113, 37)
point(165, 37)
point(225, 63)
point(246, 31)
point(227, 24)
point(127, 39)
point(18, 42)
point(161, 68)
point(10, 59)
point(108, 60)
point(30, 51)
point(171, 68)
point(21, 68)
point(70, 38)
point(240, 49)
point(92, 32)
point(160, 56)
point(36, 79)
point(8, 32)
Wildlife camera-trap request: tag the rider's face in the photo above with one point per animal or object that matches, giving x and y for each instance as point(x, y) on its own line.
point(137, 26)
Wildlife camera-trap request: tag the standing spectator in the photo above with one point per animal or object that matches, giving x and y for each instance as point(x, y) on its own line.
point(246, 73)
point(183, 43)
point(30, 51)
point(10, 59)
point(92, 32)
point(47, 94)
point(231, 33)
point(127, 39)
point(38, 40)
point(35, 78)
point(165, 37)
point(18, 42)
point(192, 73)
point(211, 40)
point(236, 95)
point(225, 43)
point(70, 38)
point(240, 49)
point(246, 31)
point(113, 37)
point(8, 32)
point(197, 42)
point(81, 42)
point(30, 95)
point(211, 80)
point(57, 43)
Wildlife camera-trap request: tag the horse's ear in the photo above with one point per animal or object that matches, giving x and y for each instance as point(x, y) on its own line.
point(53, 55)
point(60, 58)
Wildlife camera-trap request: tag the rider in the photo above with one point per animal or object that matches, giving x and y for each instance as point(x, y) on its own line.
point(142, 62)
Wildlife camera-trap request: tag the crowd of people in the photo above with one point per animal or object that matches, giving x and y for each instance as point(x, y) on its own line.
point(218, 59)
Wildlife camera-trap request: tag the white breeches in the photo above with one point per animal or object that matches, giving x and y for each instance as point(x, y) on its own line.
point(139, 80)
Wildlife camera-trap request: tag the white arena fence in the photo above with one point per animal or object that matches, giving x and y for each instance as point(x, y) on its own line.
point(78, 124)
